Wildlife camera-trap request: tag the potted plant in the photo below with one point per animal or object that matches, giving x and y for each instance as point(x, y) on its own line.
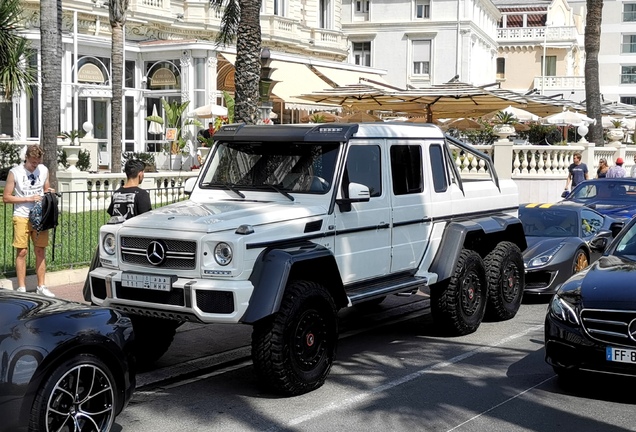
point(504, 124)
point(615, 134)
point(147, 158)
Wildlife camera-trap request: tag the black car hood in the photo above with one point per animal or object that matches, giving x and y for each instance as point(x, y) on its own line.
point(610, 283)
point(539, 245)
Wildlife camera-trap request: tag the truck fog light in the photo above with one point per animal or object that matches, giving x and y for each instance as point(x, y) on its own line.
point(109, 244)
point(223, 254)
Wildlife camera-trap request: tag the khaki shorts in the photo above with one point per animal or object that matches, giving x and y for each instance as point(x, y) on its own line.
point(22, 230)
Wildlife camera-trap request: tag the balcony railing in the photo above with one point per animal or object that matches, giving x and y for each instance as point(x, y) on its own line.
point(560, 82)
point(536, 34)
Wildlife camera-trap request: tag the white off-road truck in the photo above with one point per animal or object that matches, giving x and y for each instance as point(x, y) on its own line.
point(287, 224)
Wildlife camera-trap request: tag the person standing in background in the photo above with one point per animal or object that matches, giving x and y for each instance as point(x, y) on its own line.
point(26, 184)
point(617, 171)
point(632, 172)
point(577, 172)
point(601, 172)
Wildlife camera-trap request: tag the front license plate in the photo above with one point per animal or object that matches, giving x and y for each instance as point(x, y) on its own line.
point(620, 355)
point(145, 281)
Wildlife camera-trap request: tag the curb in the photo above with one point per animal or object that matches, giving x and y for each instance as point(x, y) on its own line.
point(63, 277)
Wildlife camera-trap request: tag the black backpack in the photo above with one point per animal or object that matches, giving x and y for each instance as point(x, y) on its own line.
point(45, 214)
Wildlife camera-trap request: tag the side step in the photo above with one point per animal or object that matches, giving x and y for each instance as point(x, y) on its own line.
point(368, 290)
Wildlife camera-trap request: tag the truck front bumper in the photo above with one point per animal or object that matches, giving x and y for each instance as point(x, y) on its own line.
point(198, 300)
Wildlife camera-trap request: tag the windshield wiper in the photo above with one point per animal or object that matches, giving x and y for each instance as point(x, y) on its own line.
point(229, 186)
point(280, 191)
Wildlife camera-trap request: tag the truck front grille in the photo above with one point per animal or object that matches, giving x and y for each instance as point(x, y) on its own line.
point(610, 326)
point(179, 254)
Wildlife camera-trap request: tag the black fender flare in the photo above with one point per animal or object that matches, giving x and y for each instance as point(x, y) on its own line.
point(480, 235)
point(275, 266)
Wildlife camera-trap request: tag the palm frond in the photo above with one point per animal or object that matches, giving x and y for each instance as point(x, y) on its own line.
point(229, 20)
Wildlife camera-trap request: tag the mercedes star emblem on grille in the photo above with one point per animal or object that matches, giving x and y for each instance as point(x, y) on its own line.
point(156, 253)
point(631, 329)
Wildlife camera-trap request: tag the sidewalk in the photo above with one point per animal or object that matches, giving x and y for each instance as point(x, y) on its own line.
point(66, 284)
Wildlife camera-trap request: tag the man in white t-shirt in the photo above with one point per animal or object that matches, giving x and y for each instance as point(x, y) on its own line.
point(26, 184)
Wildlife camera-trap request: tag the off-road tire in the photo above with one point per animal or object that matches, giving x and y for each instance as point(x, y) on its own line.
point(153, 337)
point(293, 350)
point(506, 281)
point(458, 306)
point(80, 393)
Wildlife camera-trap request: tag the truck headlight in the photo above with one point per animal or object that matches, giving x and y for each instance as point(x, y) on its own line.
point(109, 244)
point(223, 254)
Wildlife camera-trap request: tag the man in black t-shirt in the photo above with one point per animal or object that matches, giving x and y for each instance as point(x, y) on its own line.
point(128, 201)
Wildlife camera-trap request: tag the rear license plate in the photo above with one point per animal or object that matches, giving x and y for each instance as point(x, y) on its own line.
point(620, 355)
point(146, 281)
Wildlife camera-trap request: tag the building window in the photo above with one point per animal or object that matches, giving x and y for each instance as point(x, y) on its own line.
point(362, 6)
point(199, 65)
point(129, 133)
point(130, 74)
point(324, 14)
point(421, 57)
point(362, 53)
point(630, 100)
point(501, 68)
point(33, 106)
point(629, 44)
point(550, 66)
point(422, 9)
point(6, 117)
point(628, 75)
point(629, 12)
point(279, 8)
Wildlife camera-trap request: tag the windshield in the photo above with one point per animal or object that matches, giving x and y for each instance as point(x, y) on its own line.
point(626, 246)
point(538, 222)
point(605, 190)
point(283, 166)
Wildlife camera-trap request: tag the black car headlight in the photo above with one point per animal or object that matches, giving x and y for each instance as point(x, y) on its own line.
point(563, 310)
point(544, 258)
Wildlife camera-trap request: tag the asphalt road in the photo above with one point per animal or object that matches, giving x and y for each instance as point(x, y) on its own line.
point(393, 372)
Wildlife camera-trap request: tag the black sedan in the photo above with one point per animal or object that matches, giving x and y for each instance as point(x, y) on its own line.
point(558, 237)
point(614, 197)
point(63, 366)
point(591, 320)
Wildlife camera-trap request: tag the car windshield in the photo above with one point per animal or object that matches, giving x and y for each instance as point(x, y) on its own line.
point(541, 222)
point(626, 246)
point(606, 190)
point(272, 166)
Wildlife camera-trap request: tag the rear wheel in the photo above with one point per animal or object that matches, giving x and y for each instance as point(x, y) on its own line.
point(459, 306)
point(506, 279)
point(153, 337)
point(293, 350)
point(580, 261)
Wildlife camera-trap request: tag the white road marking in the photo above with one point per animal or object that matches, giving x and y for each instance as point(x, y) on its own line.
point(354, 400)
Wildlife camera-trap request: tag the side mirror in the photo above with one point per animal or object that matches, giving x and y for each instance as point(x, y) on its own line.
point(599, 244)
point(565, 194)
point(357, 193)
point(616, 227)
point(188, 187)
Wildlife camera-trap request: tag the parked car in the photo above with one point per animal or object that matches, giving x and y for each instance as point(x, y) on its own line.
point(63, 365)
point(558, 237)
point(591, 320)
point(614, 197)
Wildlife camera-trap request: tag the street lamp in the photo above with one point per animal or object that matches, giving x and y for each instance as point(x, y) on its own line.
point(266, 83)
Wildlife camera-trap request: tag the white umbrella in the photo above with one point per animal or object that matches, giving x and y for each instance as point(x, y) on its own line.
point(607, 121)
point(155, 128)
point(629, 123)
point(567, 118)
point(520, 114)
point(208, 111)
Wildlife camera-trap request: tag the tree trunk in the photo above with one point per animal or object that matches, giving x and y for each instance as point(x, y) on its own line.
point(51, 76)
point(248, 66)
point(592, 86)
point(117, 67)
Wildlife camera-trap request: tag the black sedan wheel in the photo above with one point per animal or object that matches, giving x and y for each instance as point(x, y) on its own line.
point(580, 261)
point(79, 395)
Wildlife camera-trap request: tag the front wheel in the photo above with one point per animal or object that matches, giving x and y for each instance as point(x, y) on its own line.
point(459, 306)
point(506, 280)
point(580, 261)
point(293, 350)
point(80, 394)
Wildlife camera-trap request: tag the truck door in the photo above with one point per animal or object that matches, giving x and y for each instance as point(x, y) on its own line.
point(363, 234)
point(411, 205)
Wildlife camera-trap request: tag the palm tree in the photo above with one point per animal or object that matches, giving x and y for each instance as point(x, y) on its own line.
point(117, 16)
point(242, 19)
point(51, 54)
point(15, 74)
point(592, 86)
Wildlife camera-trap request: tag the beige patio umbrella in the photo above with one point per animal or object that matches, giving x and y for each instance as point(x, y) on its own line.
point(463, 124)
point(320, 117)
point(361, 117)
point(208, 111)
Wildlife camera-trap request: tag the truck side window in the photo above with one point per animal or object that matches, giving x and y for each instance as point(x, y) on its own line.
point(438, 168)
point(364, 167)
point(406, 169)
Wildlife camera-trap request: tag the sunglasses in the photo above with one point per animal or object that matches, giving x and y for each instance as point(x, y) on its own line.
point(32, 178)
